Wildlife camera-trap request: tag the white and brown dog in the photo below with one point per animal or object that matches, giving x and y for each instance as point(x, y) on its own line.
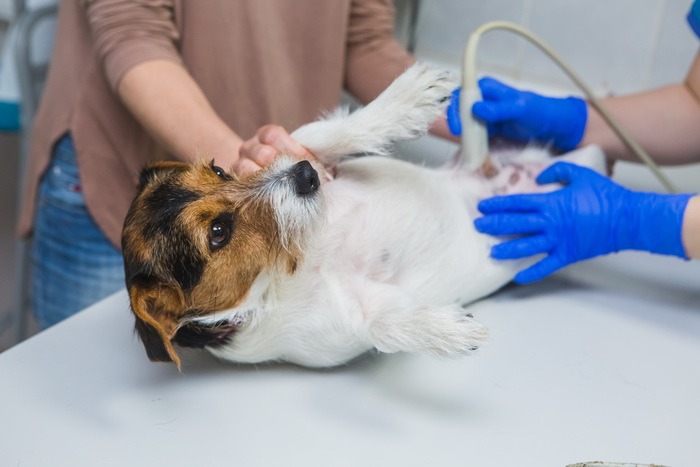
point(282, 265)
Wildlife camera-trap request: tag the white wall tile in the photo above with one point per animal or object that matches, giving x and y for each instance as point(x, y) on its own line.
point(608, 42)
point(675, 48)
point(444, 27)
point(617, 46)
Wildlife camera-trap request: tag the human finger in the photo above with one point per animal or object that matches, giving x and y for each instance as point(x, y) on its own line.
point(257, 152)
point(454, 121)
point(539, 270)
point(510, 224)
point(562, 172)
point(245, 166)
point(510, 203)
point(493, 89)
point(521, 247)
point(496, 111)
point(277, 137)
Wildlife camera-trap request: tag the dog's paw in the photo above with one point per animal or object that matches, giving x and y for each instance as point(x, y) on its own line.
point(417, 97)
point(440, 331)
point(425, 86)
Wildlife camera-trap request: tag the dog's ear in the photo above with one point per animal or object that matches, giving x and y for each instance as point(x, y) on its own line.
point(159, 169)
point(158, 309)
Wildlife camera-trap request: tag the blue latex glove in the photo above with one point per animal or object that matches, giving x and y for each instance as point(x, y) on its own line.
point(590, 216)
point(524, 116)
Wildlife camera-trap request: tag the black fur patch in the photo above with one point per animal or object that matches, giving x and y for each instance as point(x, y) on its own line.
point(155, 348)
point(183, 261)
point(146, 176)
point(136, 273)
point(149, 173)
point(168, 236)
point(165, 203)
point(198, 336)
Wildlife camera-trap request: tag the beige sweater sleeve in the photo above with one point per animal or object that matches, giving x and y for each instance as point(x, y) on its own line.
point(129, 32)
point(374, 56)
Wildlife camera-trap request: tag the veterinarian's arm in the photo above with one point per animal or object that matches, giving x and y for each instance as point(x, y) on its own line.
point(440, 128)
point(135, 40)
point(374, 57)
point(665, 121)
point(170, 105)
point(691, 228)
point(372, 45)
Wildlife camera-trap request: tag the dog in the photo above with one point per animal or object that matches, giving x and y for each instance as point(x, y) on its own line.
point(283, 265)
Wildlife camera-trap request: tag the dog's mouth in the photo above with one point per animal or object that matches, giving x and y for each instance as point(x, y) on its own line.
point(198, 335)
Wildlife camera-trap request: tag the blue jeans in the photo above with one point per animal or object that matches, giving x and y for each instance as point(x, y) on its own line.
point(73, 263)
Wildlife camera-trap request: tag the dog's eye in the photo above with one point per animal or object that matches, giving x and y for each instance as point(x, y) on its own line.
point(220, 231)
point(219, 171)
point(218, 235)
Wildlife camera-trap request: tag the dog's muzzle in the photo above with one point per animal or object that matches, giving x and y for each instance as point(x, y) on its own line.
point(306, 180)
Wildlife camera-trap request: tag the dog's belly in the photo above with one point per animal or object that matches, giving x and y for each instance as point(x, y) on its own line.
point(398, 224)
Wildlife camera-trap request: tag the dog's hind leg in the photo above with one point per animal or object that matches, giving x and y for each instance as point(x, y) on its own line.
point(404, 110)
point(446, 331)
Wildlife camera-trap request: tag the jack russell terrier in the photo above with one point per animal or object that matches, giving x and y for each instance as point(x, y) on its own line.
point(284, 265)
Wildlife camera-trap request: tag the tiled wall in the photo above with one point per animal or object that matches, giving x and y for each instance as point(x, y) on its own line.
point(617, 46)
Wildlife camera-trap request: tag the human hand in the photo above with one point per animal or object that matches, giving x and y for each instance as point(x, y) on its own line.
point(590, 216)
point(524, 116)
point(268, 142)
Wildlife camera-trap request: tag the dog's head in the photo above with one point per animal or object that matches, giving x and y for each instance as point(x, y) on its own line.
point(196, 238)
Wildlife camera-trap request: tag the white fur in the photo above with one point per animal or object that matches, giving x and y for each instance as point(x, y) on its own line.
point(391, 254)
point(403, 111)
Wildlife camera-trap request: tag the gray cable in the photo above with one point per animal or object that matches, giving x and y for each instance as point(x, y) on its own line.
point(475, 138)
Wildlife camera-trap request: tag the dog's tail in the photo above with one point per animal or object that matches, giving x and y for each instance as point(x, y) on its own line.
point(403, 111)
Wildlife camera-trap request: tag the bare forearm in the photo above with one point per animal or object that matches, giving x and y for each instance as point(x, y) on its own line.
point(170, 105)
point(664, 121)
point(439, 128)
point(691, 228)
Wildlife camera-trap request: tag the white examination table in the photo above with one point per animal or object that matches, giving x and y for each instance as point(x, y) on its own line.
point(599, 362)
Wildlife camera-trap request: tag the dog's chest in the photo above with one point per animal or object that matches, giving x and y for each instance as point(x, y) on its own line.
point(394, 223)
point(380, 210)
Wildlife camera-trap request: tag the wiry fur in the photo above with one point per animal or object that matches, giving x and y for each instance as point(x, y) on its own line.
point(382, 257)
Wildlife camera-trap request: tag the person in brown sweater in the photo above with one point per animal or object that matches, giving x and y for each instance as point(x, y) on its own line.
point(132, 82)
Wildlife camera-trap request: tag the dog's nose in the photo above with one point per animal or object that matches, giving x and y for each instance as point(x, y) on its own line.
point(306, 179)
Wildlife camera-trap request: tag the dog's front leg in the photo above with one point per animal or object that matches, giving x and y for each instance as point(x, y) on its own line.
point(445, 331)
point(405, 110)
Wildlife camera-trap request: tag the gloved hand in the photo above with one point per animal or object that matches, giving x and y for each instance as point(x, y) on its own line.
point(590, 216)
point(524, 116)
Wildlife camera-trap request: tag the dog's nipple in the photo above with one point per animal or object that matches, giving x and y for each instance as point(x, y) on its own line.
point(488, 169)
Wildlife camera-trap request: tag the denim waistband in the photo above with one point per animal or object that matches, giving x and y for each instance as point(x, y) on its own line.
point(64, 150)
